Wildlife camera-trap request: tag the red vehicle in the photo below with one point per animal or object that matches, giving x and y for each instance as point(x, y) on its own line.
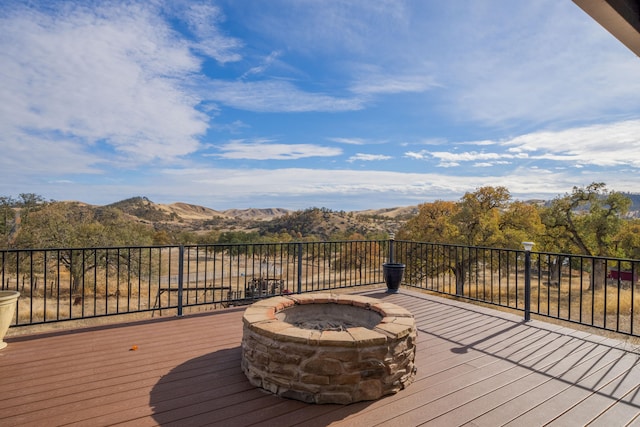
point(625, 276)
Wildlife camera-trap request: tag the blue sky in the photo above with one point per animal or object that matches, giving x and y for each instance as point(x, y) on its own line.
point(342, 104)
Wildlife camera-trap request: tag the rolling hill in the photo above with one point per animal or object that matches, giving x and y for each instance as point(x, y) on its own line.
point(319, 222)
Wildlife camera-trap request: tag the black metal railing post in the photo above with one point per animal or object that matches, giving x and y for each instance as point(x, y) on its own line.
point(300, 267)
point(527, 280)
point(180, 278)
point(392, 238)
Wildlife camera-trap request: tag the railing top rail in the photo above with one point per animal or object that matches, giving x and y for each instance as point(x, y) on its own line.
point(87, 248)
point(558, 254)
point(263, 244)
point(186, 246)
point(459, 245)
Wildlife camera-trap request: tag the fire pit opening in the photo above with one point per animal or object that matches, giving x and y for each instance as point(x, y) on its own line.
point(322, 348)
point(329, 317)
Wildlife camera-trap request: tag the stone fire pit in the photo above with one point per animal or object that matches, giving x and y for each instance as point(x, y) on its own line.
point(322, 348)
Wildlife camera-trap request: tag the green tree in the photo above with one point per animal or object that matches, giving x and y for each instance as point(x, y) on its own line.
point(162, 238)
point(589, 219)
point(478, 216)
point(587, 222)
point(71, 226)
point(433, 223)
point(485, 217)
point(518, 223)
point(359, 254)
point(231, 237)
point(209, 238)
point(628, 239)
point(238, 241)
point(28, 203)
point(7, 220)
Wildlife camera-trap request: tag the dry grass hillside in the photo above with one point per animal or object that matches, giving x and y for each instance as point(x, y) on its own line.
point(404, 212)
point(192, 212)
point(255, 214)
point(320, 222)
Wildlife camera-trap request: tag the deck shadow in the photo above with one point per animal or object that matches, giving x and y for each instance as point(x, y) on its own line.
point(213, 390)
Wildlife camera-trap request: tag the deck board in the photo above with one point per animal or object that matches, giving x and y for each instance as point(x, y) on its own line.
point(476, 367)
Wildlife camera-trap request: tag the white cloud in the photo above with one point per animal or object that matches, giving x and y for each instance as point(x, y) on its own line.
point(612, 144)
point(417, 155)
point(451, 159)
point(203, 19)
point(267, 150)
point(368, 157)
point(468, 156)
point(605, 145)
point(350, 141)
point(266, 63)
point(297, 188)
point(111, 76)
point(350, 188)
point(327, 27)
point(540, 62)
point(392, 83)
point(28, 158)
point(276, 96)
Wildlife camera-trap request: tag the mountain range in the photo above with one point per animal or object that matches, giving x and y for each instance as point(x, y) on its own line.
point(321, 222)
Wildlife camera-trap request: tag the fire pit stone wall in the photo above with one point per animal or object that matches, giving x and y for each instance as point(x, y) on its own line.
point(370, 357)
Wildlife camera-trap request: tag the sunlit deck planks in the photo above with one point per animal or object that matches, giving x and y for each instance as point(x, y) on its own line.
point(476, 366)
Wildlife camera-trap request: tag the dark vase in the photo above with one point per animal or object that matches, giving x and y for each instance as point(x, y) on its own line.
point(393, 273)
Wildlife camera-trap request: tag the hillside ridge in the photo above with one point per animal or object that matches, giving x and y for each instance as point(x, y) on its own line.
point(320, 222)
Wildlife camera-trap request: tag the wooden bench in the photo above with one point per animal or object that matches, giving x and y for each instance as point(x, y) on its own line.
point(236, 299)
point(256, 289)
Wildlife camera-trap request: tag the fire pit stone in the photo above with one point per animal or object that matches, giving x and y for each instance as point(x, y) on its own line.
point(325, 348)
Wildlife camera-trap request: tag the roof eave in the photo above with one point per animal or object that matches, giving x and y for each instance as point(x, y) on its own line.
point(620, 17)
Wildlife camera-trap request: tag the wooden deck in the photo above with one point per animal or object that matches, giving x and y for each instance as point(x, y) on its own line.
point(476, 367)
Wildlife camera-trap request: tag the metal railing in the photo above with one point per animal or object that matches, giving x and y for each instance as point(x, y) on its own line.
point(593, 291)
point(79, 283)
point(69, 284)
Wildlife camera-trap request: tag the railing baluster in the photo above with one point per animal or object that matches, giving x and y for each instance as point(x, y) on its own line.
point(299, 275)
point(180, 277)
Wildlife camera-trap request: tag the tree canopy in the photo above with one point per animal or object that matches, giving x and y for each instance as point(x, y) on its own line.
point(485, 217)
point(65, 225)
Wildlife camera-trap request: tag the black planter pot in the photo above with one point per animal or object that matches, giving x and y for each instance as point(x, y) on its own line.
point(393, 273)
